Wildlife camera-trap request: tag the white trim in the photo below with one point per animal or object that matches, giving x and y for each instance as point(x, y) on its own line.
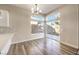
point(69, 44)
point(32, 37)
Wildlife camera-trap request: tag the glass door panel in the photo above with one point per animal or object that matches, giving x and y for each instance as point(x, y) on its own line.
point(53, 26)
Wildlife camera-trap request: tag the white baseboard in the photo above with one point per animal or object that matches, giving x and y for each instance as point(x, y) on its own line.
point(32, 37)
point(69, 44)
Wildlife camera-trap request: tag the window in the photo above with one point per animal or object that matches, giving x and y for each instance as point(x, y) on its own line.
point(4, 18)
point(37, 24)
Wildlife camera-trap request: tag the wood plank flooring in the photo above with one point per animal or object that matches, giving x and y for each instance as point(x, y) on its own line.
point(40, 47)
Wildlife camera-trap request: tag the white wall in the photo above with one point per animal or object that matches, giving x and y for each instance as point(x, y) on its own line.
point(19, 22)
point(69, 25)
point(78, 26)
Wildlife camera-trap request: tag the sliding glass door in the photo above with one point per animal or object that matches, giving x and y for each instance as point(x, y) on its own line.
point(53, 26)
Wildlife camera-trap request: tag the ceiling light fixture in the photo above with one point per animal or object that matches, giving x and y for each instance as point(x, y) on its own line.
point(36, 10)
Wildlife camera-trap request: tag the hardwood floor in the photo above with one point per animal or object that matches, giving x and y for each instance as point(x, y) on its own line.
point(40, 47)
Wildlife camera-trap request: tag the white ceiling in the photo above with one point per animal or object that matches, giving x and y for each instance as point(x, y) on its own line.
point(46, 8)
